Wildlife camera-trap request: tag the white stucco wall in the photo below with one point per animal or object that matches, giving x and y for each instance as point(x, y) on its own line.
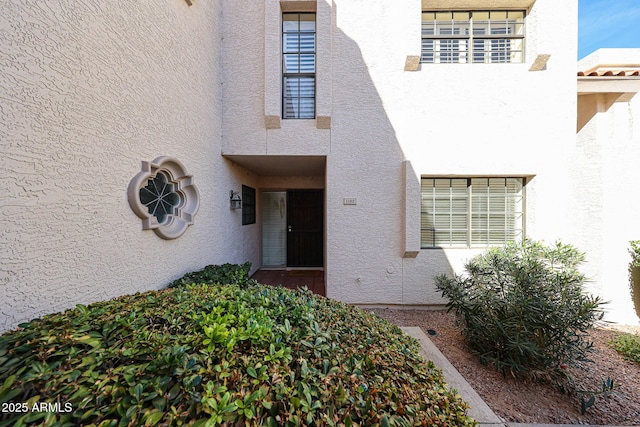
point(604, 198)
point(445, 119)
point(87, 91)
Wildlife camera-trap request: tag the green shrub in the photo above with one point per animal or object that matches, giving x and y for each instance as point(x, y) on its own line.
point(214, 354)
point(225, 274)
point(634, 274)
point(523, 308)
point(628, 345)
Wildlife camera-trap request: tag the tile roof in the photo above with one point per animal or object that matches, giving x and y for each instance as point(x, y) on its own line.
point(611, 72)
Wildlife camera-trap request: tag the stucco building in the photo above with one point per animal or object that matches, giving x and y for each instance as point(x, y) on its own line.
point(381, 141)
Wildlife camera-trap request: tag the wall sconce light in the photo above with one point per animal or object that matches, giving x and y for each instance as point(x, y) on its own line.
point(235, 200)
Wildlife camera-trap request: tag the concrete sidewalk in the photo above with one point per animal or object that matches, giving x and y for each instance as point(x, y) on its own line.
point(479, 410)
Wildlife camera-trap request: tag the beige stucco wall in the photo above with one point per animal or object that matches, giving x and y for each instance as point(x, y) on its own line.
point(87, 91)
point(90, 91)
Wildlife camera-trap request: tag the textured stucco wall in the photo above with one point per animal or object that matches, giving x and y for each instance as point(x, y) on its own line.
point(444, 119)
point(253, 83)
point(87, 91)
point(605, 204)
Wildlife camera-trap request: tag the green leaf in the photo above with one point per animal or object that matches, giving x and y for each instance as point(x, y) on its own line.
point(154, 417)
point(175, 390)
point(7, 395)
point(252, 372)
point(295, 402)
point(137, 391)
point(160, 403)
point(248, 412)
point(93, 339)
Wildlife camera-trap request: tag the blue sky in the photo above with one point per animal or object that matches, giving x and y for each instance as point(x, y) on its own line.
point(607, 23)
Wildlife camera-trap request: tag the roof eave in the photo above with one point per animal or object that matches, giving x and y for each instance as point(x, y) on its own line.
point(601, 84)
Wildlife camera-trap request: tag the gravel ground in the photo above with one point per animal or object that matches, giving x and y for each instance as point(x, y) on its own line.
point(520, 401)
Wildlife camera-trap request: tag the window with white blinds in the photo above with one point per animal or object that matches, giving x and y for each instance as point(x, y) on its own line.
point(471, 212)
point(464, 37)
point(298, 65)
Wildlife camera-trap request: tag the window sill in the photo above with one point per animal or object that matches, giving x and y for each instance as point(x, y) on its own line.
point(473, 4)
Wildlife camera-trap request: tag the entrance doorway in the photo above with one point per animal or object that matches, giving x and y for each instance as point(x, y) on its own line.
point(293, 228)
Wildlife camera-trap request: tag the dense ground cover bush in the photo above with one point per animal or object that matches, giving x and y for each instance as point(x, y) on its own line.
point(210, 354)
point(229, 274)
point(524, 309)
point(628, 345)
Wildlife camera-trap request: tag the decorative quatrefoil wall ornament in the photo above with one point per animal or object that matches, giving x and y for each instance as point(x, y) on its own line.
point(163, 195)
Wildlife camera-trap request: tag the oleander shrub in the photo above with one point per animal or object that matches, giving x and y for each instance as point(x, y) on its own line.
point(211, 354)
point(523, 308)
point(628, 345)
point(226, 274)
point(634, 274)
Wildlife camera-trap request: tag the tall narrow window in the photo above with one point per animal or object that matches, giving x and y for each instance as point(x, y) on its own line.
point(298, 65)
point(495, 36)
point(248, 205)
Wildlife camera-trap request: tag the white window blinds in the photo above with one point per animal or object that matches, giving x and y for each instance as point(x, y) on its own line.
point(466, 212)
point(298, 65)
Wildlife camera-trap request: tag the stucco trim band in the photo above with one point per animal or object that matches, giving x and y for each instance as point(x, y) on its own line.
point(412, 63)
point(298, 5)
point(473, 4)
point(323, 122)
point(272, 122)
point(411, 207)
point(540, 63)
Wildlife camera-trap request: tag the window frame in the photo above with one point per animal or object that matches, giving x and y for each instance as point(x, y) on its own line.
point(495, 39)
point(299, 74)
point(446, 207)
point(175, 223)
point(248, 205)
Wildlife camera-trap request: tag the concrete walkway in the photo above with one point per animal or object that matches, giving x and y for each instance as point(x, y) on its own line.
point(479, 410)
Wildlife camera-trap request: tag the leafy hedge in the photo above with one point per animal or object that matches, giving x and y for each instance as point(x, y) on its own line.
point(228, 274)
point(219, 354)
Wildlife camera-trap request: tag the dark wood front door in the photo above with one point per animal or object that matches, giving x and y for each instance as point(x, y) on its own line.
point(305, 228)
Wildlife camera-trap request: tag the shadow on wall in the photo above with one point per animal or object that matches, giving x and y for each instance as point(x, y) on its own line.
point(368, 243)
